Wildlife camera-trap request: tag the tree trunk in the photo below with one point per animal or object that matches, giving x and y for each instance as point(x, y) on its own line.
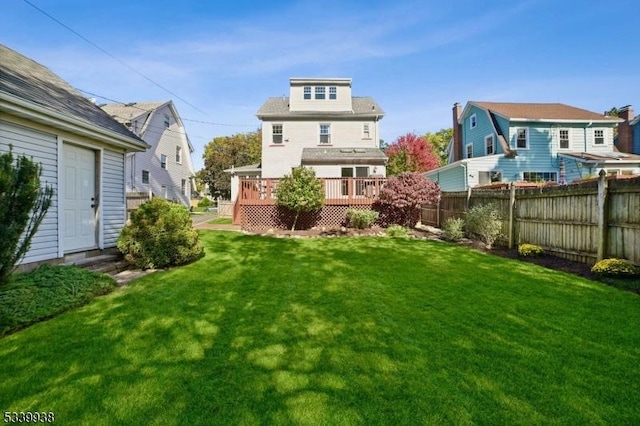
point(295, 219)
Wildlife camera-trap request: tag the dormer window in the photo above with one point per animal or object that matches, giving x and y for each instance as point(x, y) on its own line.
point(333, 92)
point(320, 92)
point(307, 92)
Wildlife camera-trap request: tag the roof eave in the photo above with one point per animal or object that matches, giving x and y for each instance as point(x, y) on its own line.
point(567, 120)
point(19, 107)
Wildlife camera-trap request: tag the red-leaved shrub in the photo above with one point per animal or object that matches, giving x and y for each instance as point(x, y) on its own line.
point(402, 197)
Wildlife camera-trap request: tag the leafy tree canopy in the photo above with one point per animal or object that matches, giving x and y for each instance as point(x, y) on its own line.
point(223, 152)
point(300, 192)
point(411, 153)
point(440, 140)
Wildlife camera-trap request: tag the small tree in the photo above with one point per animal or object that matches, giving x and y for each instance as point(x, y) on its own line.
point(300, 192)
point(23, 204)
point(404, 195)
point(411, 153)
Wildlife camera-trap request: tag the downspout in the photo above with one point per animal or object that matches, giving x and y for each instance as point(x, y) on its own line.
point(466, 179)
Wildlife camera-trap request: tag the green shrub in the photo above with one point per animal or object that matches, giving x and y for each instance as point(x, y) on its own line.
point(361, 218)
point(205, 202)
point(397, 231)
point(23, 205)
point(453, 229)
point(530, 250)
point(160, 235)
point(48, 291)
point(615, 268)
point(483, 222)
point(300, 192)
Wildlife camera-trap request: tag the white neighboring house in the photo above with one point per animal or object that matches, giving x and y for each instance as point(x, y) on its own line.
point(322, 126)
point(82, 153)
point(165, 168)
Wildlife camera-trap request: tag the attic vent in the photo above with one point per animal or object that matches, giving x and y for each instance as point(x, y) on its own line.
point(346, 151)
point(360, 151)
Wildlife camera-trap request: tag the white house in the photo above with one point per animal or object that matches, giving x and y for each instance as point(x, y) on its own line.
point(82, 152)
point(322, 126)
point(165, 168)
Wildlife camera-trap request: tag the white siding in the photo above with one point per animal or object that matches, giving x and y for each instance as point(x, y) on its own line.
point(113, 199)
point(277, 160)
point(163, 141)
point(341, 103)
point(42, 147)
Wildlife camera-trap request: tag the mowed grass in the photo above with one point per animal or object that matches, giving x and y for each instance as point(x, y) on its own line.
point(336, 331)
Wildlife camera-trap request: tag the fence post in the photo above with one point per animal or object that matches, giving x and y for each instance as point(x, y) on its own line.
point(438, 212)
point(602, 215)
point(512, 203)
point(468, 198)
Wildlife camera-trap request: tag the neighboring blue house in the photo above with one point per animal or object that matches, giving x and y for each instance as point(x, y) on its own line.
point(529, 142)
point(628, 139)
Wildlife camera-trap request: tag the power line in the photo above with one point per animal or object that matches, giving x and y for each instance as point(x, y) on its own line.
point(114, 57)
point(133, 105)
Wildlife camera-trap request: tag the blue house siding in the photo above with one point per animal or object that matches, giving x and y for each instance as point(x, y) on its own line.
point(449, 179)
point(476, 135)
point(635, 145)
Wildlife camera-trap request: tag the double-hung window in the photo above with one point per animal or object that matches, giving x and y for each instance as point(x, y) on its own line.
point(598, 137)
point(179, 154)
point(522, 138)
point(469, 151)
point(163, 161)
point(488, 144)
point(564, 138)
point(320, 92)
point(366, 131)
point(145, 177)
point(276, 131)
point(167, 121)
point(473, 121)
point(325, 133)
point(307, 92)
point(183, 187)
point(333, 92)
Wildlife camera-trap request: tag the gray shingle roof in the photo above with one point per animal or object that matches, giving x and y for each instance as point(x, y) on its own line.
point(35, 83)
point(362, 105)
point(126, 112)
point(373, 156)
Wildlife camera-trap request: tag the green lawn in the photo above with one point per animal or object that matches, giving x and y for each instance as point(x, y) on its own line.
point(220, 221)
point(336, 331)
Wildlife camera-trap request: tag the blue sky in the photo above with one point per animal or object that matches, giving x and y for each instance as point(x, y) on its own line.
point(416, 58)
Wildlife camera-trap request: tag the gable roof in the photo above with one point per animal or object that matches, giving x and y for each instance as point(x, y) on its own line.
point(32, 90)
point(543, 112)
point(125, 113)
point(279, 107)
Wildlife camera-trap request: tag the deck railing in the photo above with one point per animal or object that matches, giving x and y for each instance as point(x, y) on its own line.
point(338, 191)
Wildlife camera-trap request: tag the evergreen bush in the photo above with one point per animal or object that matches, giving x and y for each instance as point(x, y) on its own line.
point(160, 235)
point(361, 218)
point(300, 192)
point(23, 205)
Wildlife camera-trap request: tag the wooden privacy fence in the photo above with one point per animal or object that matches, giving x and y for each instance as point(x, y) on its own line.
point(256, 206)
point(585, 222)
point(135, 200)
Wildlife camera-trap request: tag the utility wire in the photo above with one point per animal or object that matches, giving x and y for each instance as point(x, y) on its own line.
point(114, 57)
point(133, 105)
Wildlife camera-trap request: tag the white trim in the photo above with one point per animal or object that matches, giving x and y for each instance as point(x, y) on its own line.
point(473, 121)
point(60, 194)
point(593, 137)
point(100, 194)
point(568, 129)
point(493, 144)
point(516, 147)
point(21, 108)
point(466, 150)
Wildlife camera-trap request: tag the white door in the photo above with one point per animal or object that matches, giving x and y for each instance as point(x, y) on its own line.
point(79, 198)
